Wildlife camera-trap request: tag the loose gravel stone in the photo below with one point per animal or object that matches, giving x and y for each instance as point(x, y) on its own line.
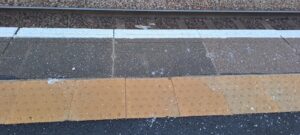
point(74, 19)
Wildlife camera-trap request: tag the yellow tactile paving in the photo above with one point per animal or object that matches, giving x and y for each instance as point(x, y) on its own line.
point(150, 98)
point(98, 100)
point(196, 98)
point(38, 101)
point(7, 97)
point(284, 90)
point(244, 94)
point(32, 101)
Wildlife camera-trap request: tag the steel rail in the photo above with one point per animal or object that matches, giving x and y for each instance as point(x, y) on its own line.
point(151, 11)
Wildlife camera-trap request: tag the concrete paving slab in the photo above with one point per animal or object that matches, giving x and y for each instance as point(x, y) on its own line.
point(57, 58)
point(161, 57)
point(3, 44)
point(245, 56)
point(294, 43)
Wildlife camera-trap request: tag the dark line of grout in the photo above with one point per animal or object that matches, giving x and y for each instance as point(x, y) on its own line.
point(176, 99)
point(10, 41)
point(113, 56)
point(125, 98)
point(70, 105)
point(290, 46)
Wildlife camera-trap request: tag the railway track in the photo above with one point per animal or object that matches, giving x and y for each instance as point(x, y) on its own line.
point(147, 19)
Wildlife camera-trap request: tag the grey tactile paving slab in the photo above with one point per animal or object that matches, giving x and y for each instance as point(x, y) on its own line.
point(161, 57)
point(245, 56)
point(57, 58)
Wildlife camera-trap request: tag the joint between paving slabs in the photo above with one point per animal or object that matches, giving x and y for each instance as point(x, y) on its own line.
point(290, 46)
point(113, 55)
point(125, 98)
point(175, 96)
point(10, 41)
point(69, 115)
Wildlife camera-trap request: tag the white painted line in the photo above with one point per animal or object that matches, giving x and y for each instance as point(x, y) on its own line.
point(133, 34)
point(6, 32)
point(290, 33)
point(64, 33)
point(144, 34)
point(148, 34)
point(239, 34)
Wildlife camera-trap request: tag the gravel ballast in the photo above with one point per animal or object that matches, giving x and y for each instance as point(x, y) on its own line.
point(262, 5)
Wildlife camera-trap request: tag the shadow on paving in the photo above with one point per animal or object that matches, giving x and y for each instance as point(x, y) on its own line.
point(258, 124)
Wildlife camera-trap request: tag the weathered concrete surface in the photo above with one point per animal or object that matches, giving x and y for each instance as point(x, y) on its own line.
point(294, 43)
point(57, 58)
point(3, 43)
point(249, 124)
point(245, 56)
point(89, 58)
point(163, 4)
point(161, 57)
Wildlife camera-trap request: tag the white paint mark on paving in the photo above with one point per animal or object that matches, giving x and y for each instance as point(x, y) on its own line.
point(148, 34)
point(7, 32)
point(239, 33)
point(53, 81)
point(64, 33)
point(134, 34)
point(290, 33)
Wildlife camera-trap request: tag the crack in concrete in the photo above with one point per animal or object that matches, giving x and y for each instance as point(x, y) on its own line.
point(212, 60)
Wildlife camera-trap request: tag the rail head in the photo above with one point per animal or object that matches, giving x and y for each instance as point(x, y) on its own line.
point(153, 10)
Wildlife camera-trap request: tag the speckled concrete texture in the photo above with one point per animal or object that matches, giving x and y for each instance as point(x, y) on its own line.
point(3, 43)
point(294, 44)
point(57, 58)
point(245, 56)
point(258, 124)
point(163, 4)
point(161, 58)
